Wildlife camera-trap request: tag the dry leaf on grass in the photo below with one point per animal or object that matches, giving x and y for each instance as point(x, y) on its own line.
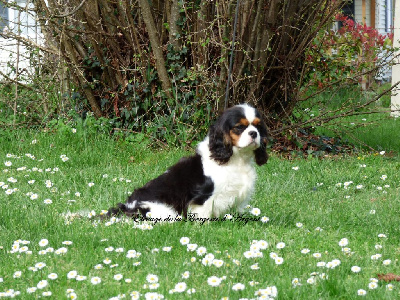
point(389, 277)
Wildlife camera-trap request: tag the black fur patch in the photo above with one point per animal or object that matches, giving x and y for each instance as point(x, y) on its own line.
point(183, 184)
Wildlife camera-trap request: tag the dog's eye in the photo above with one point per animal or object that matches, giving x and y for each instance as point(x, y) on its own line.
point(240, 127)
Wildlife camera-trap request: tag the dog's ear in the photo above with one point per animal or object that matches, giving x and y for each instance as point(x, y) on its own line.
point(260, 154)
point(220, 143)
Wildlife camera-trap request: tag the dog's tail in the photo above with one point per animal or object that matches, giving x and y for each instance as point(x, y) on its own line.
point(129, 209)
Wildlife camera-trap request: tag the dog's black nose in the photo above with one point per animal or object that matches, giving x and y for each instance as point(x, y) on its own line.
point(253, 134)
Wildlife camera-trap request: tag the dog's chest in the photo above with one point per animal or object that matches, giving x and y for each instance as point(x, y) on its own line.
point(233, 183)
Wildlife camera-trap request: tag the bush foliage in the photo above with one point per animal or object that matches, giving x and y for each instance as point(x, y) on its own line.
point(161, 67)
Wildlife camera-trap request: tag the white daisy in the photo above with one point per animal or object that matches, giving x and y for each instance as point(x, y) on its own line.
point(238, 287)
point(151, 278)
point(180, 287)
point(42, 284)
point(95, 280)
point(214, 281)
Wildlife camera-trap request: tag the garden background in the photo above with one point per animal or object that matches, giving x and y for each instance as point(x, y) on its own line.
point(107, 95)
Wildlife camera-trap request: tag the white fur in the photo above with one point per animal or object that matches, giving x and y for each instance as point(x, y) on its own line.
point(245, 139)
point(249, 112)
point(159, 210)
point(233, 181)
point(131, 205)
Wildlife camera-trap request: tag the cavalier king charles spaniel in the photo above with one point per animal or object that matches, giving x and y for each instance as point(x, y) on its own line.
point(218, 177)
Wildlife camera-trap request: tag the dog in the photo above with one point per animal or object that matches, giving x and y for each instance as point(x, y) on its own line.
point(220, 176)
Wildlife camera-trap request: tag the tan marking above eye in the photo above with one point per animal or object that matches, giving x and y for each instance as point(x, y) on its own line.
point(244, 122)
point(256, 121)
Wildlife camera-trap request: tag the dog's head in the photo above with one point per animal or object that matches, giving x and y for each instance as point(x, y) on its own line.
point(241, 129)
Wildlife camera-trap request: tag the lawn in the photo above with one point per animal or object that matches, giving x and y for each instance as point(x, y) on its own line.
point(319, 228)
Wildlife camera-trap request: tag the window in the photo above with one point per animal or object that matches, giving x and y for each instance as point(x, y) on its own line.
point(3, 16)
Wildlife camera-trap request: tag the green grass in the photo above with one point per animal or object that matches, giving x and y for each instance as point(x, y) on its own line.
point(309, 195)
point(378, 131)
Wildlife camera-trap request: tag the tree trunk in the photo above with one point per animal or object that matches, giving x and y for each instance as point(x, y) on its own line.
point(156, 46)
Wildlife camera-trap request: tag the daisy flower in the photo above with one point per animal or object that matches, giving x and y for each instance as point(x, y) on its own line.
point(262, 244)
point(296, 282)
point(248, 254)
point(47, 201)
point(118, 277)
point(278, 260)
point(95, 280)
point(134, 295)
point(17, 274)
point(42, 284)
point(72, 296)
point(180, 287)
point(343, 242)
point(107, 261)
point(201, 251)
point(40, 265)
point(151, 278)
point(218, 263)
point(305, 251)
point(72, 274)
point(191, 247)
point(80, 278)
point(153, 296)
point(311, 280)
point(355, 269)
point(280, 245)
point(255, 267)
point(52, 276)
point(61, 250)
point(67, 243)
point(273, 255)
point(321, 264)
point(255, 211)
point(389, 287)
point(166, 249)
point(228, 217)
point(31, 290)
point(361, 292)
point(191, 291)
point(186, 275)
point(264, 219)
point(154, 286)
point(184, 240)
point(387, 262)
point(214, 281)
point(238, 287)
